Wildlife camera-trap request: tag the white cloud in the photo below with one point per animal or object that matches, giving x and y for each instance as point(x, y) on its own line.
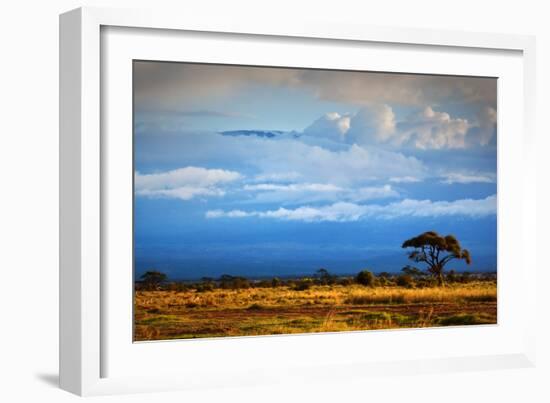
point(453, 178)
point(404, 179)
point(352, 165)
point(345, 212)
point(183, 192)
point(372, 192)
point(185, 176)
point(184, 183)
point(314, 192)
point(284, 160)
point(187, 90)
point(295, 187)
point(487, 121)
point(385, 121)
point(373, 124)
point(427, 208)
point(229, 214)
point(331, 125)
point(426, 129)
point(430, 129)
point(277, 177)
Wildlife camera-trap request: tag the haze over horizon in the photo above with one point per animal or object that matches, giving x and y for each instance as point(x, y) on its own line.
point(273, 171)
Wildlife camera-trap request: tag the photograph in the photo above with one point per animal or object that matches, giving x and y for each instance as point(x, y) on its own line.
point(289, 200)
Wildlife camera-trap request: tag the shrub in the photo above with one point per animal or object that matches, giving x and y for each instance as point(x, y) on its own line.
point(365, 278)
point(303, 284)
point(231, 282)
point(384, 281)
point(405, 280)
point(425, 282)
point(241, 282)
point(262, 284)
point(413, 272)
point(465, 277)
point(178, 287)
point(324, 277)
point(202, 287)
point(345, 281)
point(451, 277)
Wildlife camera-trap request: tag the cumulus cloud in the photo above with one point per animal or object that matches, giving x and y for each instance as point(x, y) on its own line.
point(426, 129)
point(188, 90)
point(430, 129)
point(462, 178)
point(332, 125)
point(487, 122)
point(184, 183)
point(346, 212)
point(373, 124)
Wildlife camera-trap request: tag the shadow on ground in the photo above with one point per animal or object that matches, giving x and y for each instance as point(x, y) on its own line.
point(49, 379)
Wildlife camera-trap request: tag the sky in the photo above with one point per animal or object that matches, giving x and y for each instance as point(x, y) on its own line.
point(261, 171)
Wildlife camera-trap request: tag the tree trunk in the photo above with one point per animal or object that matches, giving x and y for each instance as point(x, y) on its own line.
point(440, 281)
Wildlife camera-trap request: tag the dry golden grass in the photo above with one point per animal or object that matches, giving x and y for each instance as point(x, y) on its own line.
point(465, 293)
point(255, 311)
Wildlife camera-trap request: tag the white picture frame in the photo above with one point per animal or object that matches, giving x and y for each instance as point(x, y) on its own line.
point(89, 353)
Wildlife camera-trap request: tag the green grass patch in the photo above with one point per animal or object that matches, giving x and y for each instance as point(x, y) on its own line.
point(159, 319)
point(466, 319)
point(380, 316)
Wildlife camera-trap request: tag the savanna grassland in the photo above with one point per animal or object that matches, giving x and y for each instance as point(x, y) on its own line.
point(212, 309)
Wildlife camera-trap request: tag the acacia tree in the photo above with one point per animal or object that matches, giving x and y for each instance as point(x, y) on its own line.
point(152, 279)
point(436, 251)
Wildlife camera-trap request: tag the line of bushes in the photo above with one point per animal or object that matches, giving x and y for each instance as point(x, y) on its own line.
point(409, 277)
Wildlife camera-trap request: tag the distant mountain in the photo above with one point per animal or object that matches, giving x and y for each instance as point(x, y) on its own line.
point(258, 133)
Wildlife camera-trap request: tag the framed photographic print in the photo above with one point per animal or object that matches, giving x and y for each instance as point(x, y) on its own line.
point(237, 198)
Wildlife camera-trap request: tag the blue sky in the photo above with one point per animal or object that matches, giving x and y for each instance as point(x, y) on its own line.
point(275, 171)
